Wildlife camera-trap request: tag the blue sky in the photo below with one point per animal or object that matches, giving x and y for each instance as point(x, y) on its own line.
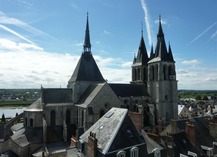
point(41, 41)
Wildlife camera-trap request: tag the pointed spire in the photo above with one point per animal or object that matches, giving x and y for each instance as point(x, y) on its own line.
point(134, 58)
point(160, 30)
point(152, 52)
point(161, 49)
point(87, 45)
point(142, 55)
point(170, 54)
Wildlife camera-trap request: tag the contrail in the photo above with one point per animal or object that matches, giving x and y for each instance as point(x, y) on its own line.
point(16, 34)
point(214, 35)
point(201, 34)
point(16, 22)
point(147, 23)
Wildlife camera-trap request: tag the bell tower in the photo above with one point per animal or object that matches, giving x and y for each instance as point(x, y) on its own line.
point(140, 64)
point(162, 83)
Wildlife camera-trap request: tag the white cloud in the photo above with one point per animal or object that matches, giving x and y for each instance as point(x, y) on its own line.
point(6, 44)
point(191, 62)
point(203, 79)
point(25, 66)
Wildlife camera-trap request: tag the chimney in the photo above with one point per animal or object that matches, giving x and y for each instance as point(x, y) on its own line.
point(137, 120)
point(190, 131)
point(160, 126)
point(92, 145)
point(173, 124)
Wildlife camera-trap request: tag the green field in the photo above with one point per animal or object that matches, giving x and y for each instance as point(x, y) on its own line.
point(15, 103)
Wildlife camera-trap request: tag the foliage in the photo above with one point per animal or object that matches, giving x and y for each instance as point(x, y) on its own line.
point(187, 94)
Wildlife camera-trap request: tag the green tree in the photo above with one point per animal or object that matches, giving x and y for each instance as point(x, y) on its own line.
point(198, 97)
point(3, 117)
point(205, 97)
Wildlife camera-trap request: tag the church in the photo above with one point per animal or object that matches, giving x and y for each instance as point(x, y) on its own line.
point(59, 112)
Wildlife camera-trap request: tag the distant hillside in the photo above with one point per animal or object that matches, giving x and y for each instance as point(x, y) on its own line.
point(183, 94)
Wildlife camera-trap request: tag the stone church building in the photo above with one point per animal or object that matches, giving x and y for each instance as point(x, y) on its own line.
point(57, 114)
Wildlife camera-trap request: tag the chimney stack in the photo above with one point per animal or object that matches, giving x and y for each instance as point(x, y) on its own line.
point(190, 131)
point(92, 145)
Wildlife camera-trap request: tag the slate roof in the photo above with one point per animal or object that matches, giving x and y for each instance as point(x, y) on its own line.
point(202, 136)
point(142, 56)
point(127, 90)
point(183, 145)
point(115, 130)
point(56, 95)
point(87, 70)
point(90, 94)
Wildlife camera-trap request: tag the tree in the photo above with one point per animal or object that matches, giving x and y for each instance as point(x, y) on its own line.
point(3, 117)
point(205, 97)
point(198, 97)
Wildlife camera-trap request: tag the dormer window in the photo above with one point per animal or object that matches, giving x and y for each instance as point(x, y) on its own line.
point(121, 154)
point(134, 152)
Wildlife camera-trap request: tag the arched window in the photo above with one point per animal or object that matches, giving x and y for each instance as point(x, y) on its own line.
point(134, 74)
point(139, 75)
point(156, 73)
point(171, 70)
point(82, 117)
point(152, 73)
point(134, 152)
point(165, 72)
point(121, 154)
point(52, 118)
point(145, 74)
point(68, 116)
point(31, 122)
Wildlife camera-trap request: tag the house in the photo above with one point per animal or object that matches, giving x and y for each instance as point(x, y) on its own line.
point(115, 135)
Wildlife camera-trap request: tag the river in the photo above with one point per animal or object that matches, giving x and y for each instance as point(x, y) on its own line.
point(10, 112)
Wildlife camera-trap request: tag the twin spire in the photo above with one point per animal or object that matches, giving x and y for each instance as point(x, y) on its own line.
point(142, 57)
point(87, 45)
point(160, 49)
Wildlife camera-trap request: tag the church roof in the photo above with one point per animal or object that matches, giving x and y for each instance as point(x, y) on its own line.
point(87, 69)
point(127, 90)
point(56, 95)
point(90, 94)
